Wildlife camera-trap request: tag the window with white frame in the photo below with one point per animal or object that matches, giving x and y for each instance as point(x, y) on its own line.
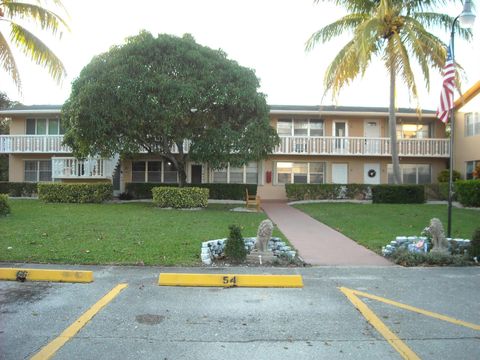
point(414, 131)
point(300, 127)
point(247, 174)
point(412, 173)
point(50, 126)
point(299, 172)
point(38, 170)
point(154, 171)
point(472, 124)
point(470, 168)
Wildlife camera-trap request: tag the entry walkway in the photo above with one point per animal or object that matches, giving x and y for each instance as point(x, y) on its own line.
point(317, 243)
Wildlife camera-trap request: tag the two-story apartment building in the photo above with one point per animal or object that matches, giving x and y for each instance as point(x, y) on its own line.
point(318, 144)
point(467, 132)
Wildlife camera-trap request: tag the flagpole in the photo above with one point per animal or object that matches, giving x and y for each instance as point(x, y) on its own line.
point(452, 133)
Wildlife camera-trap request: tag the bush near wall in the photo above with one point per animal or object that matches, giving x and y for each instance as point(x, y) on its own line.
point(444, 176)
point(180, 198)
point(468, 192)
point(75, 193)
point(438, 191)
point(327, 191)
point(18, 189)
point(398, 194)
point(4, 205)
point(216, 191)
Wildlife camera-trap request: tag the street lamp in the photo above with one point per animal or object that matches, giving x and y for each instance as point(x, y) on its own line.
point(466, 20)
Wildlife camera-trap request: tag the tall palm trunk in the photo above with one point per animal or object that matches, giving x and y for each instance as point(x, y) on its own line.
point(392, 127)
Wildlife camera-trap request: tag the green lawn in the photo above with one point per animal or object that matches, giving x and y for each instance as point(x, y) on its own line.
point(375, 225)
point(128, 233)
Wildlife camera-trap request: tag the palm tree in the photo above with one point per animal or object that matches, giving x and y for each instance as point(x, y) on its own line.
point(11, 12)
point(396, 32)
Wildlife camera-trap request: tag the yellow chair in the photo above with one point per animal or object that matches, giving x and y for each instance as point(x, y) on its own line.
point(252, 200)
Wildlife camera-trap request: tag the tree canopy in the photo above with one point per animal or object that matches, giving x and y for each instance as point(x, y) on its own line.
point(153, 93)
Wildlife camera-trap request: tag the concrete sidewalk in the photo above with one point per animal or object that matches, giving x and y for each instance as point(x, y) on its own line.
point(317, 243)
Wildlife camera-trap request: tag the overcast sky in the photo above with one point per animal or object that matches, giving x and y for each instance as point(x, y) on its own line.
point(266, 35)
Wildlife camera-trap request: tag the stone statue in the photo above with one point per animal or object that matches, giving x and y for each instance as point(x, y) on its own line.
point(264, 234)
point(439, 242)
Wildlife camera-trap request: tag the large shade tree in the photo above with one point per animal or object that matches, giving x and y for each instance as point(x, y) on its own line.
point(155, 94)
point(396, 32)
point(13, 17)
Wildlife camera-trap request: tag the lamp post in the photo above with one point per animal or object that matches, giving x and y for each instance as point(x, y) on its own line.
point(466, 19)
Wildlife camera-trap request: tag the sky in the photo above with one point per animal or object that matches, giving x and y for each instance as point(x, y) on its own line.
point(266, 35)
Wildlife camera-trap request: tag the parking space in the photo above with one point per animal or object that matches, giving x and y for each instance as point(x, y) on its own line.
point(317, 321)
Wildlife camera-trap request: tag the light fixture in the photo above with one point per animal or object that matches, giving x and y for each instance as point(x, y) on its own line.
point(467, 17)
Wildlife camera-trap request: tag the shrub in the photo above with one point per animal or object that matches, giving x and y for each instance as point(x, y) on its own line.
point(216, 191)
point(4, 205)
point(438, 191)
point(235, 246)
point(180, 198)
point(405, 258)
point(468, 192)
point(327, 191)
point(474, 249)
point(75, 193)
point(444, 176)
point(398, 194)
point(18, 189)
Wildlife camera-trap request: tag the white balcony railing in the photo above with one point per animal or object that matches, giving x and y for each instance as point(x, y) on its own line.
point(361, 146)
point(32, 144)
point(71, 168)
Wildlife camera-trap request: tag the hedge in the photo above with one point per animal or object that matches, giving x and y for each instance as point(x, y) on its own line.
point(327, 191)
point(398, 194)
point(180, 198)
point(216, 191)
point(18, 189)
point(75, 193)
point(4, 205)
point(468, 192)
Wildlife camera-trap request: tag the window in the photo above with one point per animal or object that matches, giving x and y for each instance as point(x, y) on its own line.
point(412, 173)
point(154, 169)
point(247, 174)
point(138, 171)
point(300, 173)
point(44, 126)
point(413, 131)
point(170, 175)
point(38, 170)
point(300, 127)
point(151, 171)
point(472, 124)
point(471, 165)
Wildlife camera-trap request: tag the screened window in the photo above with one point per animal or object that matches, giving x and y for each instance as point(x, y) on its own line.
point(247, 174)
point(138, 171)
point(38, 170)
point(300, 127)
point(236, 175)
point(220, 176)
point(154, 171)
point(413, 131)
point(316, 127)
point(300, 172)
point(471, 165)
point(44, 127)
point(412, 173)
point(472, 124)
point(284, 127)
point(170, 174)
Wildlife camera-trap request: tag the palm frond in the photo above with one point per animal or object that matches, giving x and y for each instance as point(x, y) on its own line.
point(367, 37)
point(7, 61)
point(337, 28)
point(443, 21)
point(37, 50)
point(47, 19)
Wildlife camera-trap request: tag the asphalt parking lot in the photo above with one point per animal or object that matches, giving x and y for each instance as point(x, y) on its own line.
point(147, 321)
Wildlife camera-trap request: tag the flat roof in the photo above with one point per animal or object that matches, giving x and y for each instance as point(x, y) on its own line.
point(31, 110)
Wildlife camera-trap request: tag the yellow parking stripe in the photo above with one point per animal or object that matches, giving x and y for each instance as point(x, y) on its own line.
point(417, 310)
point(23, 274)
point(50, 349)
point(230, 280)
point(373, 319)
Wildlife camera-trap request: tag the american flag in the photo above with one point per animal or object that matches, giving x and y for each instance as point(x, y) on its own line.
point(446, 97)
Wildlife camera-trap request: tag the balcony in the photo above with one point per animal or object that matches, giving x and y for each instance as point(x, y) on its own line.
point(361, 146)
point(17, 144)
point(93, 168)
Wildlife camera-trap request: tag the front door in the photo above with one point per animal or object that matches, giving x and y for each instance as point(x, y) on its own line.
point(372, 134)
point(340, 130)
point(340, 173)
point(196, 174)
point(371, 174)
